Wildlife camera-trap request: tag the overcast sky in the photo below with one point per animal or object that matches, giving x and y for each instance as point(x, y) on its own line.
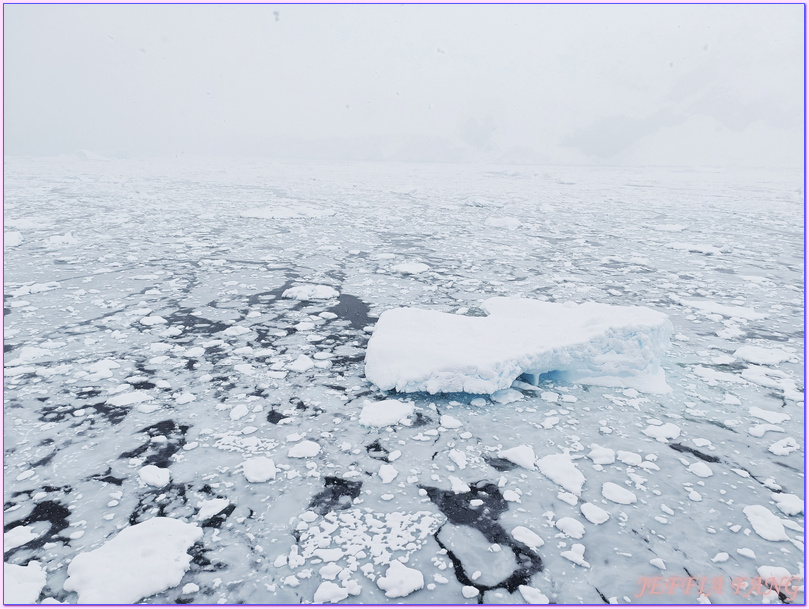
point(681, 85)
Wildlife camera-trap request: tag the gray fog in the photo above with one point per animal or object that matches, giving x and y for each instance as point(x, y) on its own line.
point(714, 85)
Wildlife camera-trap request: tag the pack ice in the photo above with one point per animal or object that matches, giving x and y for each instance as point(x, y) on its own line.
point(589, 343)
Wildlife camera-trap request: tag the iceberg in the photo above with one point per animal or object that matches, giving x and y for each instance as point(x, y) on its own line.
point(589, 343)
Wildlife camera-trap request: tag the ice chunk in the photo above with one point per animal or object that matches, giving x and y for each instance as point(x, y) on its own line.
point(765, 523)
point(769, 415)
point(698, 468)
point(528, 537)
point(384, 413)
point(709, 306)
point(259, 469)
point(760, 355)
point(400, 580)
point(310, 292)
point(411, 268)
point(420, 350)
point(302, 364)
point(561, 470)
point(790, 505)
point(522, 455)
point(22, 585)
point(304, 450)
point(387, 473)
point(20, 535)
point(594, 514)
point(533, 596)
point(507, 396)
point(211, 507)
point(329, 592)
point(570, 527)
point(141, 560)
point(458, 485)
point(576, 555)
point(155, 476)
point(601, 455)
point(784, 447)
point(618, 494)
point(661, 433)
point(128, 399)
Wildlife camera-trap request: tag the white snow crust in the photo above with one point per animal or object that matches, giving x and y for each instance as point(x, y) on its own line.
point(141, 560)
point(592, 343)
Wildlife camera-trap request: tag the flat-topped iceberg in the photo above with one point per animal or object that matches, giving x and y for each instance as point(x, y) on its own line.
point(589, 343)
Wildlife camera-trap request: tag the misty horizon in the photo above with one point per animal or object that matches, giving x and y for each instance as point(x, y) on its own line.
point(512, 84)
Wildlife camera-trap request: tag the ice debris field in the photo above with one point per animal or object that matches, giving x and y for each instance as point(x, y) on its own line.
point(281, 384)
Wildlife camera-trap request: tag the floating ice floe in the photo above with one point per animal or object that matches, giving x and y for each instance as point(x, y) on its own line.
point(400, 580)
point(411, 268)
point(22, 585)
point(141, 560)
point(310, 292)
point(533, 596)
point(760, 355)
point(766, 524)
point(155, 476)
point(590, 343)
point(384, 413)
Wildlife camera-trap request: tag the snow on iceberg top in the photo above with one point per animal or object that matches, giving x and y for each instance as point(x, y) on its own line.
point(590, 343)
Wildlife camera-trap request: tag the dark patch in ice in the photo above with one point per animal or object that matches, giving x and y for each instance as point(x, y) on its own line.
point(44, 460)
point(501, 465)
point(190, 324)
point(219, 518)
point(298, 403)
point(354, 310)
point(603, 598)
point(45, 511)
point(421, 420)
point(201, 562)
point(161, 451)
point(165, 501)
point(459, 511)
point(776, 336)
point(275, 417)
point(789, 467)
point(337, 495)
point(698, 454)
point(143, 385)
point(376, 451)
point(9, 348)
point(711, 422)
point(113, 414)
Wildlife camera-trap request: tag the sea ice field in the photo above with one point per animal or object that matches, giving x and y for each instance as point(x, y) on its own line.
point(279, 383)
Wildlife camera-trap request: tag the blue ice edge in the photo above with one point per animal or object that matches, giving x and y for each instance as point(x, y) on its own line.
point(413, 350)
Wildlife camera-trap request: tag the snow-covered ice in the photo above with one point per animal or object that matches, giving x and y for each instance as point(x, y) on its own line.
point(147, 329)
point(139, 561)
point(422, 350)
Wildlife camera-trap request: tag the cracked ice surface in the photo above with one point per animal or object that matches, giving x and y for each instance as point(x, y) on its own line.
point(148, 339)
point(590, 343)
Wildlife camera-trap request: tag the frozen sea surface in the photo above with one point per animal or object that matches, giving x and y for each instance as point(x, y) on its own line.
point(155, 368)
